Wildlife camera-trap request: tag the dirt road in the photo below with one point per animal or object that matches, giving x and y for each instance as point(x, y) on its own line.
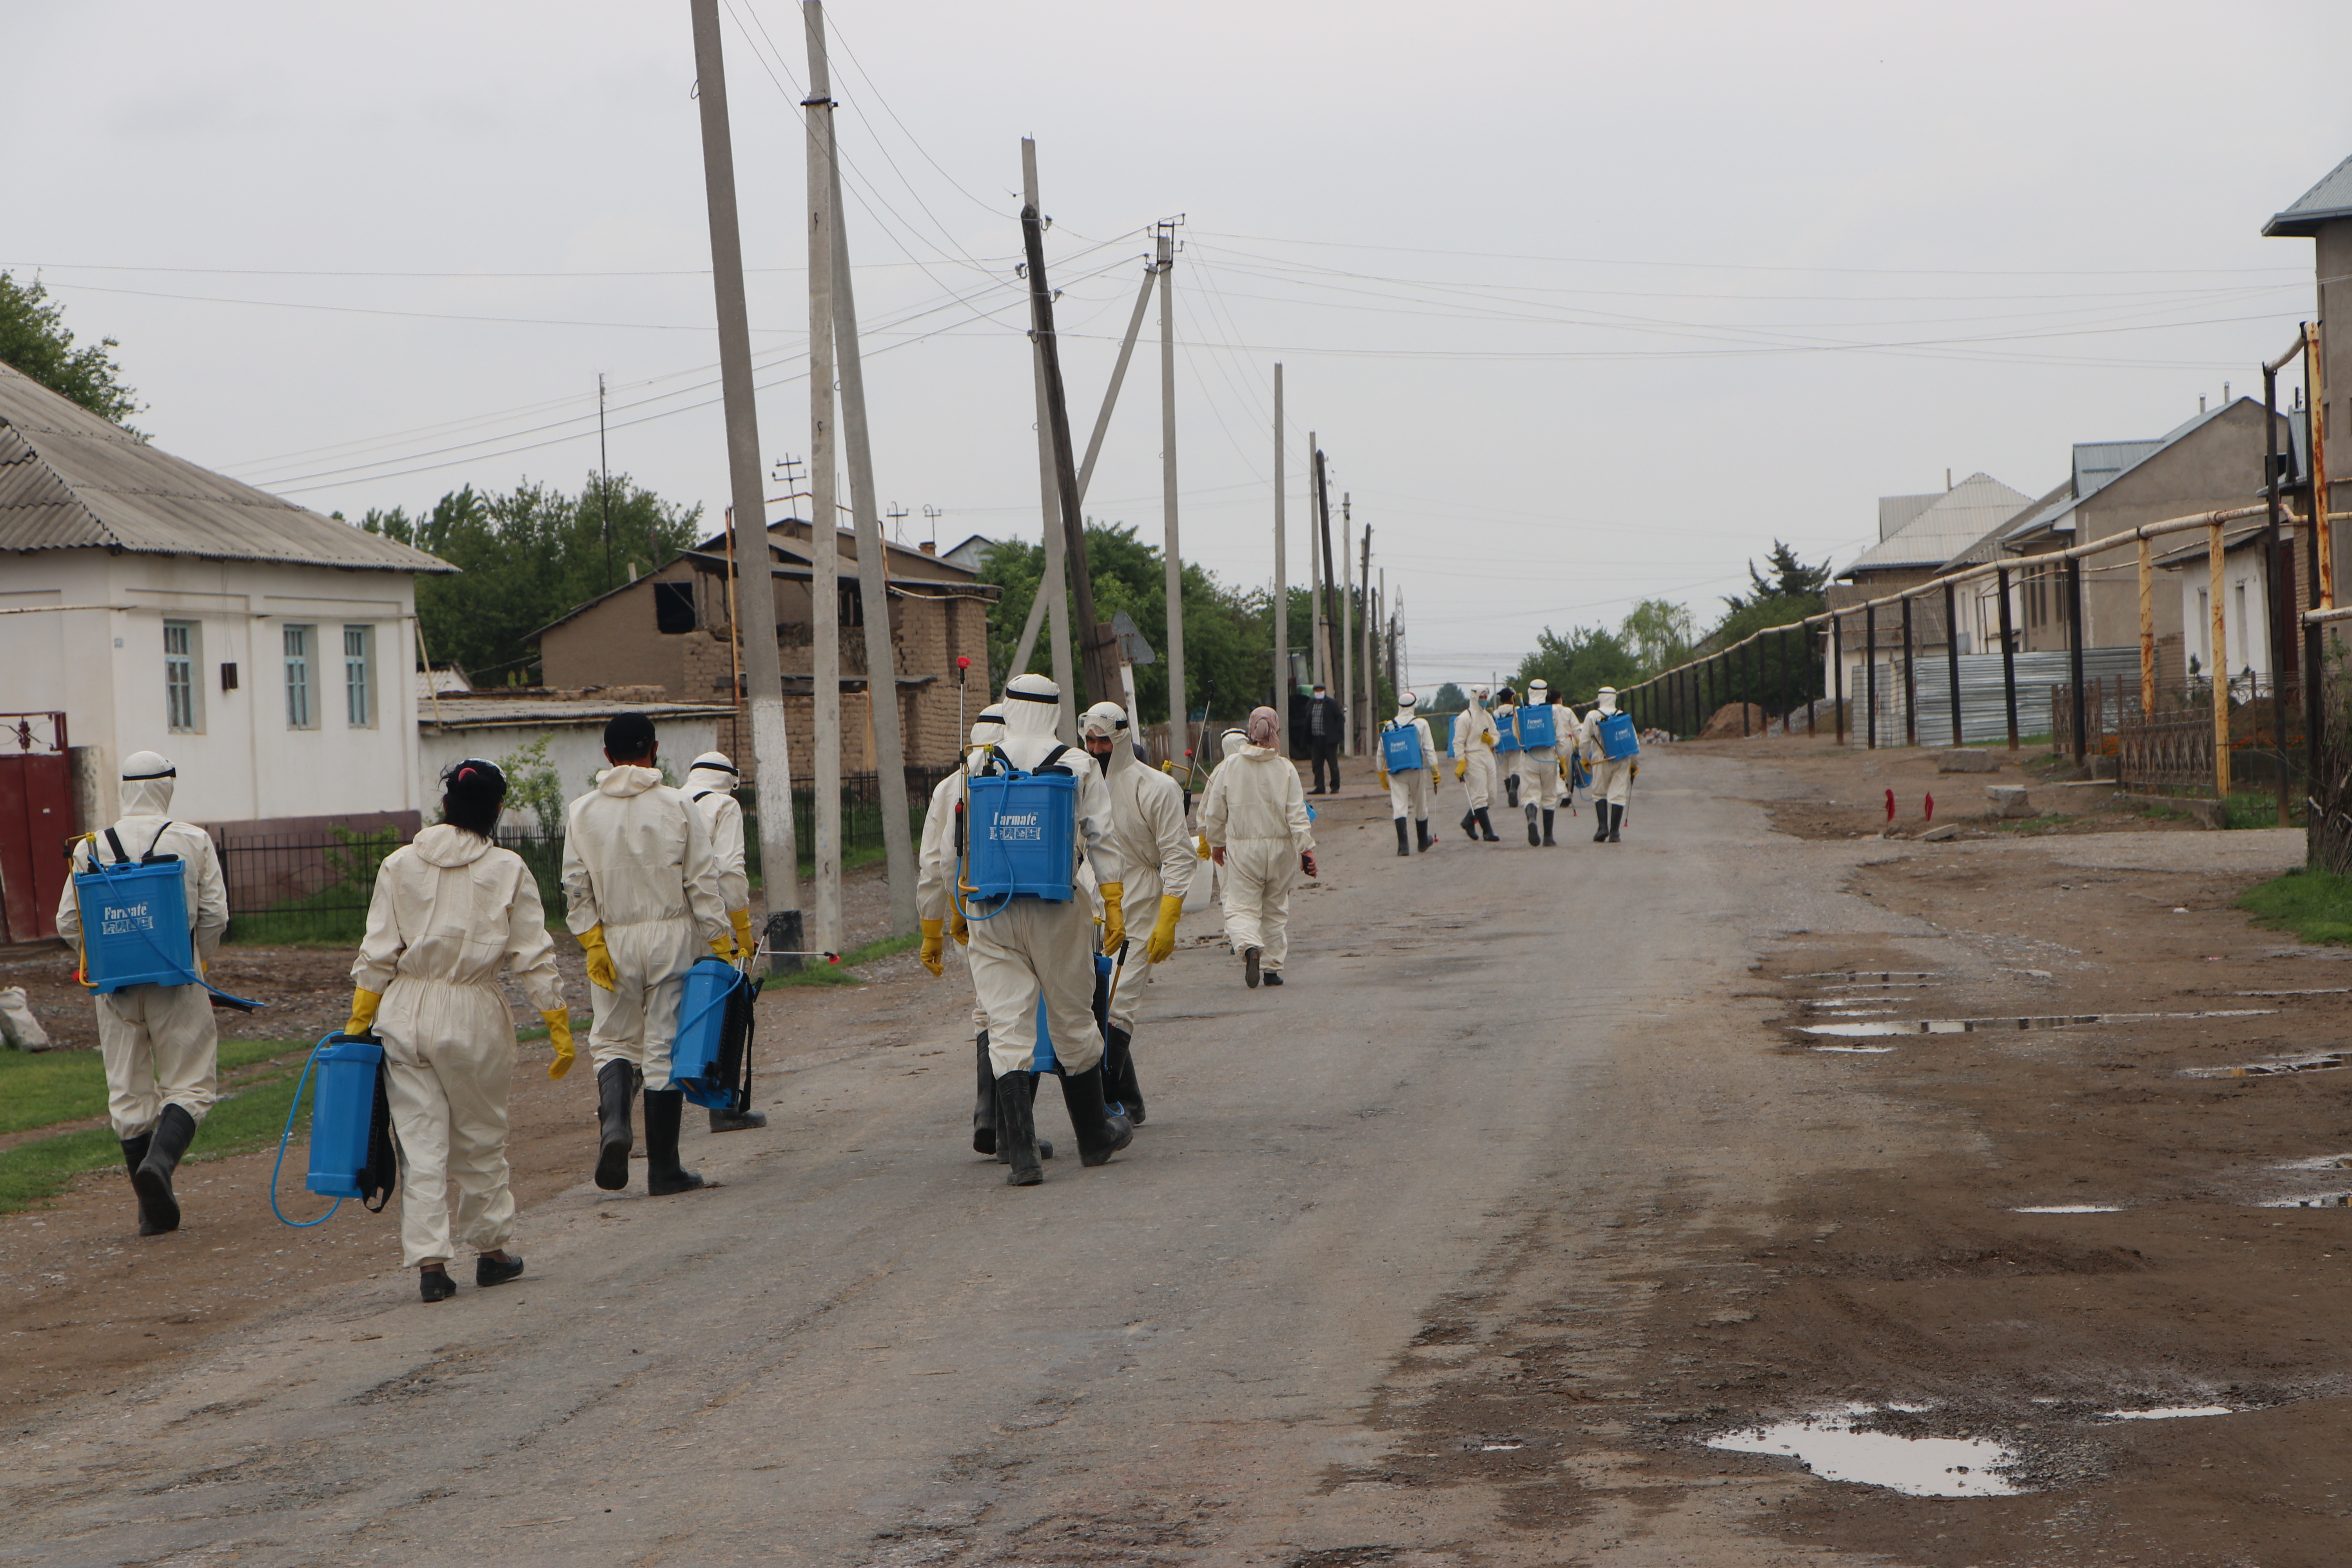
point(1457, 1250)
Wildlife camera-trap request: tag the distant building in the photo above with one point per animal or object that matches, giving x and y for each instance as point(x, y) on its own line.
point(1917, 535)
point(2324, 214)
point(495, 724)
point(971, 554)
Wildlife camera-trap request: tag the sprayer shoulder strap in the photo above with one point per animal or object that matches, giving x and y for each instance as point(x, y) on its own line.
point(1053, 759)
point(114, 842)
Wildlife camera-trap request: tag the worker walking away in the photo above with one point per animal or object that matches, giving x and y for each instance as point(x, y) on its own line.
point(1613, 751)
point(642, 896)
point(1507, 743)
point(936, 860)
point(1407, 752)
point(1147, 812)
point(1254, 818)
point(1031, 946)
point(710, 789)
point(449, 912)
point(1473, 765)
point(1324, 725)
point(161, 1050)
point(1537, 722)
point(1230, 744)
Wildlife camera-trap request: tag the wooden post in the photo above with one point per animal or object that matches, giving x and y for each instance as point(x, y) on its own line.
point(1178, 698)
point(2075, 654)
point(2008, 658)
point(1054, 588)
point(2221, 668)
point(1870, 673)
point(1952, 658)
point(2316, 394)
point(1910, 680)
point(1099, 660)
point(2146, 631)
point(1837, 674)
point(1280, 690)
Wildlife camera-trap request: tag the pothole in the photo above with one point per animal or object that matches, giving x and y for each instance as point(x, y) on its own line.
point(1852, 977)
point(2317, 1163)
point(1857, 1050)
point(2012, 1025)
point(1831, 1446)
point(2316, 1201)
point(2276, 1067)
point(2071, 1208)
point(2167, 1413)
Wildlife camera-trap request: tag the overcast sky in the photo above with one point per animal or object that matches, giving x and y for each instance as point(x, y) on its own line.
point(1588, 303)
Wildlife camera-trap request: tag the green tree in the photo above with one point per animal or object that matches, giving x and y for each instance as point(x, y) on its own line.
point(34, 338)
point(1658, 634)
point(526, 557)
point(1450, 699)
point(1790, 579)
point(1578, 664)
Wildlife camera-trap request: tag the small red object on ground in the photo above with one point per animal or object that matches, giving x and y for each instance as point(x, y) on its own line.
point(1931, 809)
point(1890, 806)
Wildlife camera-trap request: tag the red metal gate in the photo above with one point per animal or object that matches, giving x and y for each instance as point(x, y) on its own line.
point(36, 819)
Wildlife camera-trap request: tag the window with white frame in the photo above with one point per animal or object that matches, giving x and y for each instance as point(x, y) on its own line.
point(359, 677)
point(183, 693)
point(300, 713)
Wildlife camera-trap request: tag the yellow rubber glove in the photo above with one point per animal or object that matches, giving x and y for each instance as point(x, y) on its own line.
point(1490, 737)
point(934, 948)
point(957, 928)
point(1432, 778)
point(1202, 852)
point(1384, 776)
point(723, 947)
point(1162, 941)
point(1114, 923)
point(1634, 771)
point(558, 1035)
point(742, 919)
point(363, 1005)
point(600, 957)
point(1460, 768)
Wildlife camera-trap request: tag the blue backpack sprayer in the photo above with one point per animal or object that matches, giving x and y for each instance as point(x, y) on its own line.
point(353, 1151)
point(711, 1056)
point(134, 922)
point(1400, 747)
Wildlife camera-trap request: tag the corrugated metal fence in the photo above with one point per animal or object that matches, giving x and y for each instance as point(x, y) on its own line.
point(1984, 716)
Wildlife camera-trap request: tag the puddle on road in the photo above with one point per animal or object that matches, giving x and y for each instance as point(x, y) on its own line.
point(2169, 1413)
point(1854, 977)
point(2276, 1067)
point(2315, 991)
point(2072, 1208)
point(1858, 1051)
point(1831, 1448)
point(2319, 1163)
point(2316, 1201)
point(2012, 1025)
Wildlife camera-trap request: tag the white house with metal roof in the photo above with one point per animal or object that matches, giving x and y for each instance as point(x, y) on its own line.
point(264, 647)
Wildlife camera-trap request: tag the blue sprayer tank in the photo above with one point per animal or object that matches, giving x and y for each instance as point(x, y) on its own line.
point(134, 925)
point(1024, 829)
point(1400, 747)
point(1507, 731)
point(1537, 731)
point(696, 1050)
point(342, 1114)
point(1043, 1059)
point(1618, 739)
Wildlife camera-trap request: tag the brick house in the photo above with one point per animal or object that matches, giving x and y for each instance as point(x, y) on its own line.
point(673, 628)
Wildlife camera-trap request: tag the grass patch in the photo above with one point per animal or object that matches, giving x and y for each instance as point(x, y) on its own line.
point(2316, 906)
point(40, 1090)
point(843, 974)
point(2248, 810)
point(2048, 819)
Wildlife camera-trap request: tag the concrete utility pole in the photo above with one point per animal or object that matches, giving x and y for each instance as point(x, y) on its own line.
point(1281, 580)
point(1324, 618)
point(1054, 584)
point(1371, 670)
point(1316, 664)
point(1098, 650)
point(825, 566)
point(755, 585)
point(872, 553)
point(1178, 707)
point(1353, 726)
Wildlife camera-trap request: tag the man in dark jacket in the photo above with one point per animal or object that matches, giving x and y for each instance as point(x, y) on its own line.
point(1322, 723)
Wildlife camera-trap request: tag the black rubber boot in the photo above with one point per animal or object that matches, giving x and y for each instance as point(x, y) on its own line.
point(153, 1178)
point(1469, 823)
point(615, 1087)
point(1421, 831)
point(1017, 1130)
point(1271, 977)
point(1600, 822)
point(983, 1105)
point(1100, 1134)
point(1616, 820)
point(665, 1108)
point(1535, 838)
point(1547, 842)
point(1120, 1082)
point(727, 1119)
point(1486, 827)
point(1250, 956)
point(1404, 845)
point(134, 1154)
point(1511, 790)
point(1044, 1145)
point(488, 1271)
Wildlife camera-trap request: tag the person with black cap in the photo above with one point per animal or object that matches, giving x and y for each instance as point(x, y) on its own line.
point(449, 912)
point(641, 892)
point(161, 1050)
point(710, 789)
point(1323, 724)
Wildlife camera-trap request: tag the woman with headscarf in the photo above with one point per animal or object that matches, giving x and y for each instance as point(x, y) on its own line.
point(1254, 818)
point(449, 912)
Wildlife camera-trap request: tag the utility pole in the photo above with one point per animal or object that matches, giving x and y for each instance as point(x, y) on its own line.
point(1372, 670)
point(1178, 707)
point(873, 554)
point(1350, 724)
point(1281, 580)
point(825, 564)
point(604, 478)
point(756, 591)
point(931, 515)
point(1321, 676)
point(896, 513)
point(1102, 671)
point(1324, 617)
point(1054, 586)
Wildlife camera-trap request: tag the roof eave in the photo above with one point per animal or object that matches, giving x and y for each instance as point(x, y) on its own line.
point(2303, 225)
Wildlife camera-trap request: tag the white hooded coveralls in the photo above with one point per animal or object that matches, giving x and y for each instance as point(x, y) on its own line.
point(1147, 814)
point(1031, 947)
point(712, 793)
point(1409, 791)
point(159, 1042)
point(1611, 781)
point(1474, 744)
point(1539, 785)
point(449, 912)
point(636, 862)
point(1256, 812)
point(935, 851)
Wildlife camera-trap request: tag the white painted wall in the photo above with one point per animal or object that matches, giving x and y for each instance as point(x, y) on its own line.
point(576, 750)
point(104, 667)
point(2245, 607)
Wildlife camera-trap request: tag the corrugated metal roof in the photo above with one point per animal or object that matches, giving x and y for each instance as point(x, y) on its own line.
point(501, 713)
point(69, 480)
point(2326, 202)
point(1948, 525)
point(1988, 549)
point(1894, 511)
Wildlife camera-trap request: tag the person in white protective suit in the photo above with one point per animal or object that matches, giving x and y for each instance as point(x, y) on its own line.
point(711, 790)
point(1612, 782)
point(1230, 744)
point(1025, 947)
point(1540, 769)
point(642, 892)
point(936, 857)
point(449, 912)
point(1409, 793)
point(161, 1050)
point(1254, 818)
point(1473, 766)
point(1147, 811)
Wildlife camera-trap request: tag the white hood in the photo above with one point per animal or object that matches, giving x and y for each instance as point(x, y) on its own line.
point(723, 780)
point(626, 780)
point(447, 846)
